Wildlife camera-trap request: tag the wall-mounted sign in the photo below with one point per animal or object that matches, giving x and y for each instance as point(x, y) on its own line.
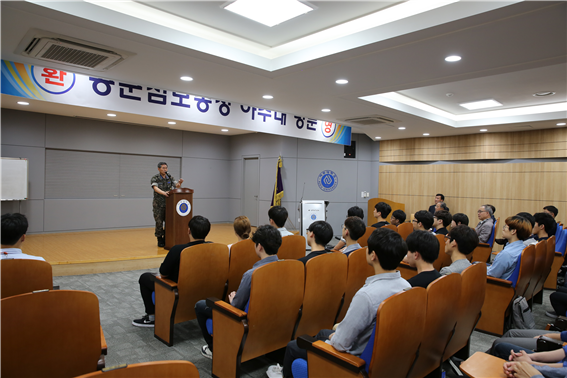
point(48, 84)
point(327, 181)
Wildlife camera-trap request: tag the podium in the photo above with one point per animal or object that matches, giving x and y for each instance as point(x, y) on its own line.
point(178, 213)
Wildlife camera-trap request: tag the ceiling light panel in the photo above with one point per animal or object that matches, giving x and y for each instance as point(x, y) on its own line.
point(484, 104)
point(269, 13)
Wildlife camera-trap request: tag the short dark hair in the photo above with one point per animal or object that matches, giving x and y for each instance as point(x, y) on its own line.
point(425, 243)
point(199, 226)
point(461, 218)
point(521, 225)
point(544, 219)
point(322, 231)
point(356, 227)
point(355, 211)
point(269, 238)
point(443, 205)
point(466, 238)
point(425, 218)
point(440, 195)
point(14, 226)
point(553, 209)
point(492, 207)
point(389, 247)
point(278, 214)
point(528, 216)
point(383, 208)
point(445, 216)
point(161, 163)
point(399, 215)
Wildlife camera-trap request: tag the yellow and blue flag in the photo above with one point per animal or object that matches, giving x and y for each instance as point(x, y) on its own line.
point(277, 195)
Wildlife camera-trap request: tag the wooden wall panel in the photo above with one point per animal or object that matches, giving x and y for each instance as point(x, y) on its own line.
point(511, 188)
point(548, 143)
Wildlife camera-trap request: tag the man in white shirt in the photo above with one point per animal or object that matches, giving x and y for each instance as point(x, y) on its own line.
point(14, 228)
point(278, 217)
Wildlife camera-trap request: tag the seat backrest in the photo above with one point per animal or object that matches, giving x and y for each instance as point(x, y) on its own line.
point(242, 257)
point(276, 294)
point(203, 273)
point(490, 241)
point(442, 259)
point(443, 296)
point(524, 269)
point(550, 254)
point(363, 240)
point(292, 248)
point(393, 346)
point(390, 227)
point(169, 369)
point(358, 272)
point(473, 290)
point(325, 285)
point(538, 270)
point(50, 334)
point(404, 229)
point(561, 240)
point(21, 276)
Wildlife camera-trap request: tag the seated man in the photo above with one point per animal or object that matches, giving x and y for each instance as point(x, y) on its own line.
point(516, 230)
point(398, 217)
point(381, 212)
point(441, 220)
point(423, 250)
point(268, 241)
point(354, 211)
point(438, 198)
point(441, 206)
point(278, 217)
point(552, 210)
point(527, 242)
point(542, 223)
point(14, 228)
point(423, 220)
point(551, 363)
point(353, 229)
point(461, 241)
point(524, 338)
point(484, 227)
point(385, 251)
point(459, 218)
point(199, 228)
point(319, 234)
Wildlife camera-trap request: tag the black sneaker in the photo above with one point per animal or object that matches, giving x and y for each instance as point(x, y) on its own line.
point(161, 242)
point(144, 322)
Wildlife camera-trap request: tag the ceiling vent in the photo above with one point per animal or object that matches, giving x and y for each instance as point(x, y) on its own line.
point(70, 51)
point(371, 120)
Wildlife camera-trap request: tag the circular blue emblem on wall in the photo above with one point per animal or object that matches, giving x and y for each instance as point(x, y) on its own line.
point(327, 181)
point(313, 216)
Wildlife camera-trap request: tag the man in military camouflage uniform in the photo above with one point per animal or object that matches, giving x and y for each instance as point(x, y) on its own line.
point(162, 183)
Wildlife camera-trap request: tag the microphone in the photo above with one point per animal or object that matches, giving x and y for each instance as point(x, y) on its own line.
point(171, 178)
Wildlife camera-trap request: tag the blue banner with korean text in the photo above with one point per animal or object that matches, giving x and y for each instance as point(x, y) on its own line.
point(53, 85)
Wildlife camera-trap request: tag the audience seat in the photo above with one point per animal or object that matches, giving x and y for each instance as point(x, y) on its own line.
point(404, 229)
point(481, 253)
point(538, 273)
point(406, 270)
point(166, 369)
point(481, 365)
point(51, 334)
point(358, 272)
point(560, 240)
point(292, 248)
point(325, 285)
point(500, 294)
point(550, 259)
point(390, 227)
point(242, 257)
point(21, 276)
point(443, 297)
point(276, 295)
point(443, 259)
point(203, 273)
point(391, 350)
point(363, 240)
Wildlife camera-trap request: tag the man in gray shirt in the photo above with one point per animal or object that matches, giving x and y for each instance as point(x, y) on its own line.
point(386, 249)
point(459, 242)
point(484, 227)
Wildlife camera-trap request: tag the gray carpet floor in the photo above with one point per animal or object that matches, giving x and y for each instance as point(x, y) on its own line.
point(120, 303)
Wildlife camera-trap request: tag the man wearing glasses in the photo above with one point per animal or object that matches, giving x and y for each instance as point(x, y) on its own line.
point(484, 227)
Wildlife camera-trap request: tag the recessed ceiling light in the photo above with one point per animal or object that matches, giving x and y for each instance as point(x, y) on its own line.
point(342, 81)
point(453, 58)
point(326, 110)
point(401, 128)
point(377, 137)
point(23, 103)
point(111, 115)
point(425, 134)
point(561, 124)
point(186, 78)
point(269, 13)
point(483, 104)
point(483, 130)
point(543, 94)
point(171, 123)
point(268, 97)
point(224, 130)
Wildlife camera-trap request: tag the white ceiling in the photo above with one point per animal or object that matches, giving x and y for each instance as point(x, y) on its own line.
point(510, 51)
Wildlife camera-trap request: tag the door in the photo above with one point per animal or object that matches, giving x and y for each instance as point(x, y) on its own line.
point(251, 189)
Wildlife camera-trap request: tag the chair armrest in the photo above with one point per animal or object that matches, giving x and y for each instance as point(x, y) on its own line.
point(558, 254)
point(560, 324)
point(103, 345)
point(498, 281)
point(225, 308)
point(546, 344)
point(168, 284)
point(345, 360)
point(484, 245)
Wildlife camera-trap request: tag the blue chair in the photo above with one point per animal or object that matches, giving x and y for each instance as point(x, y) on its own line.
point(560, 240)
point(209, 322)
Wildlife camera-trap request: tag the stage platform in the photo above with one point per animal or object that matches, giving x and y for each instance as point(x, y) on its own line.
point(75, 253)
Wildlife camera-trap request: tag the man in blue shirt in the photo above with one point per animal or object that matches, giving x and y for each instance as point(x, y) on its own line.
point(516, 230)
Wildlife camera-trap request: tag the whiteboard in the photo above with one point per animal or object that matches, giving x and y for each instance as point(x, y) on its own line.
point(14, 179)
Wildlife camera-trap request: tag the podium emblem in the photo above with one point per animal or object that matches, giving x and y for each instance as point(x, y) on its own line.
point(183, 208)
